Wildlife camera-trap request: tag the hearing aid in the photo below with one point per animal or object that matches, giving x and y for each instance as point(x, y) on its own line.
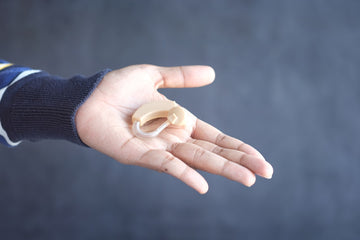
point(174, 114)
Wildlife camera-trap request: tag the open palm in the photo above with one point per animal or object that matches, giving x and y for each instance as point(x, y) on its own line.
point(104, 123)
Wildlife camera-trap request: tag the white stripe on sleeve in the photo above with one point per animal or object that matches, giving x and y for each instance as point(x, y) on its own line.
point(2, 91)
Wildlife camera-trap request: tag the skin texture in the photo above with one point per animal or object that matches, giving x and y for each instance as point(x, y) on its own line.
point(104, 123)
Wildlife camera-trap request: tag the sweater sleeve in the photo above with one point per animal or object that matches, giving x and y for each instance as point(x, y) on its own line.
point(35, 105)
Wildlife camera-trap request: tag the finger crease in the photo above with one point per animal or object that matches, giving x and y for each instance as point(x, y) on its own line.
point(173, 147)
point(168, 158)
point(240, 146)
point(226, 164)
point(163, 81)
point(194, 141)
point(122, 146)
point(220, 138)
point(182, 75)
point(141, 161)
point(218, 150)
point(199, 154)
point(184, 172)
point(241, 159)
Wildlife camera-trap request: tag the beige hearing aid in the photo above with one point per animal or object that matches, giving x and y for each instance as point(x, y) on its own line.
point(161, 109)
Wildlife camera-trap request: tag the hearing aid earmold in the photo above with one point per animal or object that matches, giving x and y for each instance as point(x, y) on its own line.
point(175, 115)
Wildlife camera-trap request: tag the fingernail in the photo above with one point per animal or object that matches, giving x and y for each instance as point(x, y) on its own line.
point(269, 172)
point(252, 181)
point(204, 190)
point(268, 176)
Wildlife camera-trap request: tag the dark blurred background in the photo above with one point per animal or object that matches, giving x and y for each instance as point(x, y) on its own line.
point(288, 83)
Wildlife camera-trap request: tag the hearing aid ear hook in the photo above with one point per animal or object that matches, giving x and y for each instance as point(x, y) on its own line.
point(171, 110)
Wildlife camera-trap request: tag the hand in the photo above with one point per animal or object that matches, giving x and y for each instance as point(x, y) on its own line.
point(104, 123)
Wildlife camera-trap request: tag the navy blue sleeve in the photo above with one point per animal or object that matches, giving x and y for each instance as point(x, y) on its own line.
point(35, 105)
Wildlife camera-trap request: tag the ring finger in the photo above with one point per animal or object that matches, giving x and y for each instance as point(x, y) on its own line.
point(200, 158)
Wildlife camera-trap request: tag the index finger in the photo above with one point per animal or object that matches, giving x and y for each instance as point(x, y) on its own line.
point(206, 132)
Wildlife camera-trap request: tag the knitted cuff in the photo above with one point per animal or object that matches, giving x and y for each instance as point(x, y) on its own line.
point(44, 106)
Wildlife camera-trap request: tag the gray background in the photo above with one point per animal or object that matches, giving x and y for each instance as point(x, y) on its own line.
point(287, 83)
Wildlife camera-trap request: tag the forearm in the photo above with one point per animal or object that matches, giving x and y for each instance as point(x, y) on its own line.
point(36, 105)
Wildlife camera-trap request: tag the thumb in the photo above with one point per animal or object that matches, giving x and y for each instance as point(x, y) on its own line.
point(185, 76)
